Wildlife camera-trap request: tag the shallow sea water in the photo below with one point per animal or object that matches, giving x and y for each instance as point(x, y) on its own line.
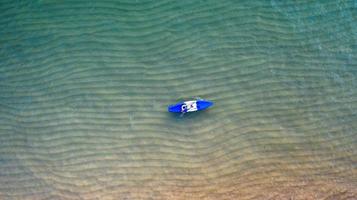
point(84, 89)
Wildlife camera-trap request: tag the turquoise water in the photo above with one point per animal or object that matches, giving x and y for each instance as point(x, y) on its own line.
point(84, 89)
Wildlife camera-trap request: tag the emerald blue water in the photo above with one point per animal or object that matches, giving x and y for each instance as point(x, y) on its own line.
point(85, 85)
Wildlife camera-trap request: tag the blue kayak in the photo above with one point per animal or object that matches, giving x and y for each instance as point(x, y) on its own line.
point(190, 106)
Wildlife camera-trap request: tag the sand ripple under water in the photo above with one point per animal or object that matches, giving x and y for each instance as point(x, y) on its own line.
point(84, 88)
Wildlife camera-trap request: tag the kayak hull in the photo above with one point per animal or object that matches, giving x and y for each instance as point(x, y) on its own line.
point(200, 105)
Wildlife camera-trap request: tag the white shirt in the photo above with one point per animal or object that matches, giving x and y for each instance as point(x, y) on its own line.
point(191, 106)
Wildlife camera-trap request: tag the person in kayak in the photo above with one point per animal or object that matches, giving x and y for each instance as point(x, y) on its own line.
point(184, 108)
point(189, 106)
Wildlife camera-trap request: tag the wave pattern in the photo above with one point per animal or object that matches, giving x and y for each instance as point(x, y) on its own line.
point(84, 88)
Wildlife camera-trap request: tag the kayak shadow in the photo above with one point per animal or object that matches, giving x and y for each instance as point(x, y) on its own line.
point(188, 116)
